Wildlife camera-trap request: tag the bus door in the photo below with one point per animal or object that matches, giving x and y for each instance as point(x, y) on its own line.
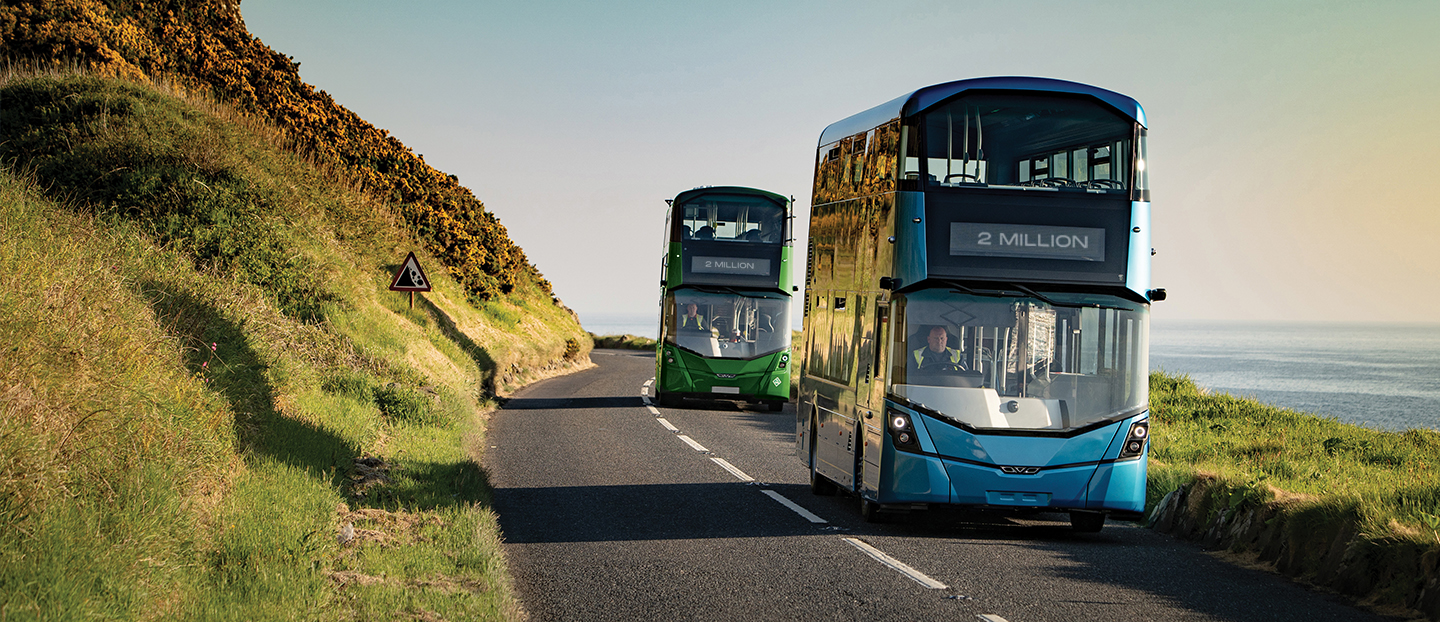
point(870, 395)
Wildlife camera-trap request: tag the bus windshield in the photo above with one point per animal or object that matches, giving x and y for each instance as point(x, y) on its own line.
point(1056, 361)
point(732, 218)
point(1030, 141)
point(735, 325)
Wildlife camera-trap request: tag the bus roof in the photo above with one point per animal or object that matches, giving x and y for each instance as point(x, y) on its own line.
point(704, 190)
point(918, 101)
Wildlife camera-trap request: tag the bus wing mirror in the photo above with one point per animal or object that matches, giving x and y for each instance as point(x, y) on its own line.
point(794, 288)
point(1156, 295)
point(887, 283)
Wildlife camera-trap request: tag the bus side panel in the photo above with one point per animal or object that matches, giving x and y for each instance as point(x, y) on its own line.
point(835, 440)
point(910, 264)
point(1137, 276)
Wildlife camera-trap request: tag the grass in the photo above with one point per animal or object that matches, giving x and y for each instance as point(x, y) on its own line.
point(1389, 483)
point(200, 359)
point(622, 342)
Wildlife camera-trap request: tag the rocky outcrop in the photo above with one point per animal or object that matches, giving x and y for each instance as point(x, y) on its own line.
point(1294, 536)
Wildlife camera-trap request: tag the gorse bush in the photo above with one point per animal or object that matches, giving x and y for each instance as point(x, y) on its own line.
point(128, 153)
point(205, 46)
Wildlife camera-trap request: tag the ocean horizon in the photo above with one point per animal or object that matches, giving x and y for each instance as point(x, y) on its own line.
point(1383, 376)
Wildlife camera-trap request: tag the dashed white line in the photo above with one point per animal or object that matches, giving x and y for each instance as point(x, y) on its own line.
point(990, 617)
point(897, 565)
point(646, 399)
point(692, 443)
point(731, 468)
point(806, 514)
point(667, 425)
point(648, 382)
point(653, 410)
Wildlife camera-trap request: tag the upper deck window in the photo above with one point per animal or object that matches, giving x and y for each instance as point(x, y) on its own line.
point(1054, 141)
point(732, 218)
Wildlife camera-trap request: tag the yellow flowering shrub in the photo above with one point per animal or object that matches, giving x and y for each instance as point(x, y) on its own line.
point(203, 44)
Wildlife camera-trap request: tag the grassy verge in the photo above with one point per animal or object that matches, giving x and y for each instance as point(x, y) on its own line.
point(210, 407)
point(622, 342)
point(1347, 507)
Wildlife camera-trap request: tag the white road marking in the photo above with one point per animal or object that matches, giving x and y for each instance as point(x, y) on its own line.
point(731, 468)
point(692, 443)
point(647, 382)
point(897, 565)
point(990, 617)
point(794, 507)
point(667, 425)
point(653, 411)
point(646, 399)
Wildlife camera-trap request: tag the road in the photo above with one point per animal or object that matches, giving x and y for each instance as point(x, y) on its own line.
point(613, 509)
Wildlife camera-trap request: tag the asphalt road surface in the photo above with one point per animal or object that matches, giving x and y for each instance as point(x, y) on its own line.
point(614, 509)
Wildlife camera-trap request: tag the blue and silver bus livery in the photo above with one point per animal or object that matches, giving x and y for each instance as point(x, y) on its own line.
point(978, 302)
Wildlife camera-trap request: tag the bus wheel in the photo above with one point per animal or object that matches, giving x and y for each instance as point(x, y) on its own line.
point(821, 485)
point(775, 407)
point(664, 399)
point(1087, 522)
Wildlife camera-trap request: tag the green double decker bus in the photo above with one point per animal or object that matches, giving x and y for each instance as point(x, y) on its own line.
point(725, 298)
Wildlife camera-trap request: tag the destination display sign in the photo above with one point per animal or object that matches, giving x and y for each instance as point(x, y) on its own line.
point(730, 265)
point(1030, 241)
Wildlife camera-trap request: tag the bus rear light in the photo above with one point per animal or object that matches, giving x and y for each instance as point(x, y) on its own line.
point(1135, 440)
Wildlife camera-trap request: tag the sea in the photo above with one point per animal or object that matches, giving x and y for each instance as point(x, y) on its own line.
point(1383, 376)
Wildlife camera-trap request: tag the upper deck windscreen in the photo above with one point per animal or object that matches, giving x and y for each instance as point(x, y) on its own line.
point(1013, 139)
point(733, 218)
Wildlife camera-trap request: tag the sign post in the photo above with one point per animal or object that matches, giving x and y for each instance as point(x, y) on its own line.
point(410, 278)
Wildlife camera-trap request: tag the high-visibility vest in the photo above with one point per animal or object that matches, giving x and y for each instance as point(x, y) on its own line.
point(920, 356)
point(699, 321)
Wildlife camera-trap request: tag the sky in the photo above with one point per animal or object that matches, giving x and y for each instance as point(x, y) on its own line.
point(1294, 145)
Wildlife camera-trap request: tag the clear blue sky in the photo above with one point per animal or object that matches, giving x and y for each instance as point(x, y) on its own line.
point(1293, 144)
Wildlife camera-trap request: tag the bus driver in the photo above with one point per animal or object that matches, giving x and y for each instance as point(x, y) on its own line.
point(936, 355)
point(692, 320)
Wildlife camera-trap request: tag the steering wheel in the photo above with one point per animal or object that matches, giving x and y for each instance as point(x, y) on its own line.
point(1108, 184)
point(962, 176)
point(942, 367)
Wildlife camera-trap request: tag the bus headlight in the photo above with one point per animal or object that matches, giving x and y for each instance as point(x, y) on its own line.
point(1135, 440)
point(902, 432)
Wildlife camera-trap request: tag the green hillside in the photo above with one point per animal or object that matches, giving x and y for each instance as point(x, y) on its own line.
point(210, 405)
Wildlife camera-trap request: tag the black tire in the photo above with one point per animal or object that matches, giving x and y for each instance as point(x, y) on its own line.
point(667, 400)
point(775, 407)
point(1087, 522)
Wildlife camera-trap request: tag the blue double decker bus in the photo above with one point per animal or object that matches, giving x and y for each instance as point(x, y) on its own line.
point(978, 294)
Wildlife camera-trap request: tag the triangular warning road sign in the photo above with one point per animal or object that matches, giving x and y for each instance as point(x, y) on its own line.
point(410, 278)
